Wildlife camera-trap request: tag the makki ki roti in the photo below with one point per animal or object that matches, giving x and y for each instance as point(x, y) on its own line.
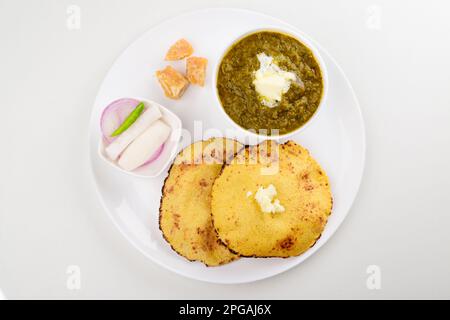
point(302, 189)
point(185, 211)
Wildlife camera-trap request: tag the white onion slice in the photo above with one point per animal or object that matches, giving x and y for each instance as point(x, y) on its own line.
point(145, 120)
point(144, 146)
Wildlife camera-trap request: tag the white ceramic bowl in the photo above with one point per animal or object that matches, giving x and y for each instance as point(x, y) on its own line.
point(304, 40)
point(156, 167)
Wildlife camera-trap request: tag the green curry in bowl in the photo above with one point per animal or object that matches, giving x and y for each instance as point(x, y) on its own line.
point(270, 81)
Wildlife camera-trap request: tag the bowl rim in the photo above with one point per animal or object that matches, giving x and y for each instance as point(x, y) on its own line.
point(177, 130)
point(305, 40)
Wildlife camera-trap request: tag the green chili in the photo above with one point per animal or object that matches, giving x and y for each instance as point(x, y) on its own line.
point(132, 117)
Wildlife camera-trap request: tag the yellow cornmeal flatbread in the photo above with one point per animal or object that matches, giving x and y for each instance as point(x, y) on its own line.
point(302, 188)
point(185, 211)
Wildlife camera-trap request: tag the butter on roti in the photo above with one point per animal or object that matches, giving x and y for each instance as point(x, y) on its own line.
point(196, 70)
point(179, 50)
point(173, 82)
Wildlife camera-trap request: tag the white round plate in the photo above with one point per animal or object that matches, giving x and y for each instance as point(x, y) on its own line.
point(336, 138)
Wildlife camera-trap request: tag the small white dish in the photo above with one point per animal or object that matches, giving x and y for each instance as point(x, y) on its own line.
point(305, 41)
point(170, 148)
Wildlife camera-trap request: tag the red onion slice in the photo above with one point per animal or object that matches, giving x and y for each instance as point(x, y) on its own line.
point(154, 156)
point(113, 116)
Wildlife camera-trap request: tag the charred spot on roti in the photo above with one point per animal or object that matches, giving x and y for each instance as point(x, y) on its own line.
point(203, 183)
point(286, 243)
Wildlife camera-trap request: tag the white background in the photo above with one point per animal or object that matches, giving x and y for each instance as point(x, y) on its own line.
point(50, 217)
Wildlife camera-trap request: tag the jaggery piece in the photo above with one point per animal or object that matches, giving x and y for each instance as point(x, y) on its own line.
point(173, 82)
point(196, 70)
point(179, 50)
